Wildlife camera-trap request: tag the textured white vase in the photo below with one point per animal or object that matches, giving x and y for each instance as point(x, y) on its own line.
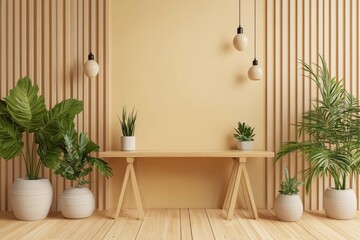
point(340, 204)
point(77, 203)
point(128, 143)
point(245, 145)
point(31, 199)
point(288, 208)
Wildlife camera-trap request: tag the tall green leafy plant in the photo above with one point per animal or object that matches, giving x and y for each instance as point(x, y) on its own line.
point(29, 129)
point(333, 129)
point(77, 161)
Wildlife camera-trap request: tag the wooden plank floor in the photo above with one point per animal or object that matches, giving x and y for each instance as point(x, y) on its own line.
point(179, 224)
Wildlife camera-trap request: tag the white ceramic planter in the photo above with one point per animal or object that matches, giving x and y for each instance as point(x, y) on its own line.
point(31, 199)
point(246, 145)
point(128, 143)
point(340, 204)
point(288, 208)
point(77, 203)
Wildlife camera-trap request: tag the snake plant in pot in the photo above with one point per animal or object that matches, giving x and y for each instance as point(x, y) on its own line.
point(244, 135)
point(77, 163)
point(288, 206)
point(332, 147)
point(30, 130)
point(127, 122)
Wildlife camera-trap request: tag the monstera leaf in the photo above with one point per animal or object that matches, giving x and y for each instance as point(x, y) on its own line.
point(10, 139)
point(25, 106)
point(55, 120)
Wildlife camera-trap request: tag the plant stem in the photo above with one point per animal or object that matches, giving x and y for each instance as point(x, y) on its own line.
point(344, 182)
point(26, 162)
point(30, 176)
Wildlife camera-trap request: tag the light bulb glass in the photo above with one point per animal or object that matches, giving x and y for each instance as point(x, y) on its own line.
point(91, 68)
point(255, 72)
point(240, 41)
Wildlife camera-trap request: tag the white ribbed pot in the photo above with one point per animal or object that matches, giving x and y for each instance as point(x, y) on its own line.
point(340, 204)
point(77, 203)
point(128, 143)
point(288, 208)
point(245, 145)
point(31, 199)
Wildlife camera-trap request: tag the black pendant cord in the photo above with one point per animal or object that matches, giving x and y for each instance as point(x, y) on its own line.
point(255, 29)
point(240, 29)
point(239, 12)
point(91, 56)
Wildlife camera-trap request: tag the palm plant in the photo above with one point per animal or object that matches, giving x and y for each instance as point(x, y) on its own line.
point(127, 122)
point(244, 132)
point(333, 129)
point(77, 161)
point(290, 185)
point(23, 113)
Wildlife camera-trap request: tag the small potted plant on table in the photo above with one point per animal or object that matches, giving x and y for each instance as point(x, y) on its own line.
point(78, 201)
point(245, 136)
point(127, 122)
point(288, 205)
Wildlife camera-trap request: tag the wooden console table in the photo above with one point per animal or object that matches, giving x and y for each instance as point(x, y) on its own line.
point(239, 168)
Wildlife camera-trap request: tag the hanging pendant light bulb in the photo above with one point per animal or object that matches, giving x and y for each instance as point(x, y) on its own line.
point(255, 72)
point(240, 40)
point(91, 68)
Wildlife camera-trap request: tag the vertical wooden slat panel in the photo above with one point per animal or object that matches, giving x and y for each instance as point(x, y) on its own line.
point(53, 82)
point(299, 80)
point(49, 41)
point(3, 84)
point(270, 106)
point(46, 63)
point(277, 88)
point(106, 104)
point(100, 98)
point(302, 29)
point(16, 69)
point(9, 77)
point(67, 81)
point(86, 80)
point(92, 87)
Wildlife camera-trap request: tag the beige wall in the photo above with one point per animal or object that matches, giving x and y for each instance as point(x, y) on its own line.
point(174, 61)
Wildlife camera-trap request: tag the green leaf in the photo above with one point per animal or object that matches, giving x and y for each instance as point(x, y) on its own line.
point(49, 155)
point(25, 106)
point(10, 139)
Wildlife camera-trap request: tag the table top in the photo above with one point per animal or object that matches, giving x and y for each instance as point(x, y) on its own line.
point(179, 154)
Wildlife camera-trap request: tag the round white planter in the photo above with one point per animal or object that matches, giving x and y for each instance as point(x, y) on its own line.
point(340, 204)
point(31, 199)
point(128, 143)
point(77, 203)
point(288, 208)
point(245, 145)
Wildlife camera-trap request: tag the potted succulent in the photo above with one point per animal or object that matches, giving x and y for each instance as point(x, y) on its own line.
point(333, 143)
point(288, 206)
point(245, 136)
point(29, 129)
point(78, 201)
point(127, 122)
